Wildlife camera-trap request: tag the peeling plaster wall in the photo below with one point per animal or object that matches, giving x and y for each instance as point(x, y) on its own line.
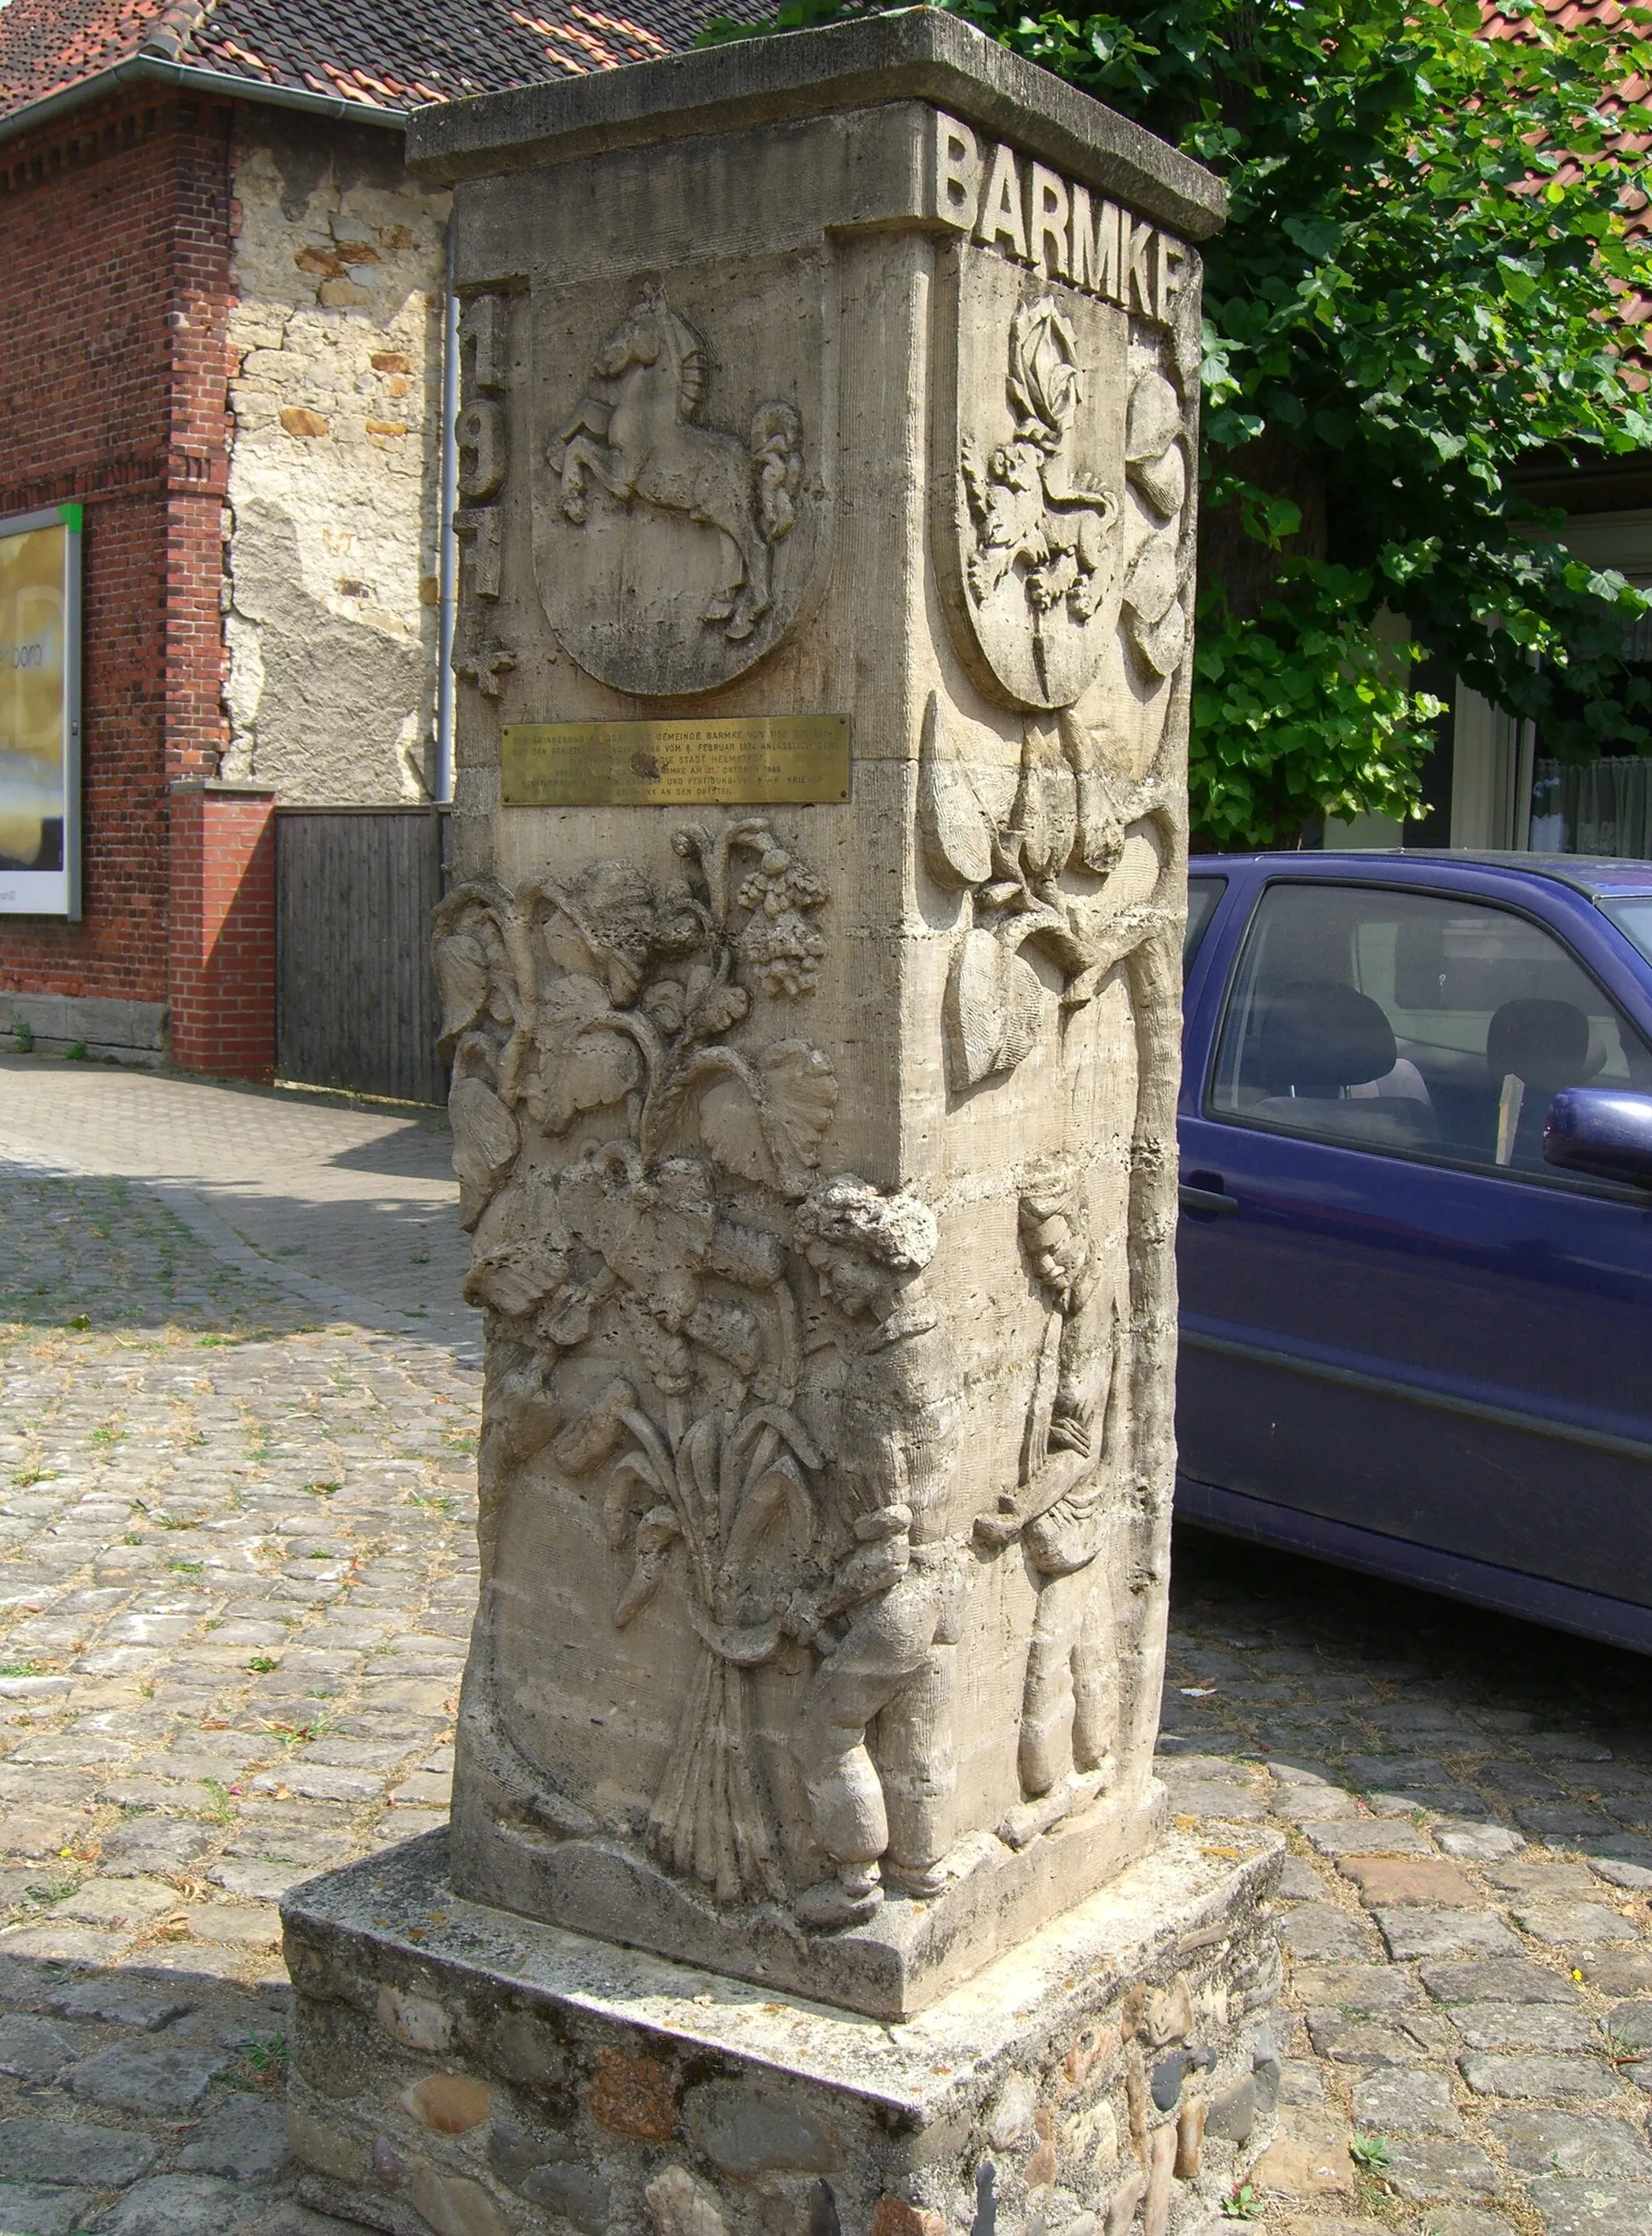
point(331, 618)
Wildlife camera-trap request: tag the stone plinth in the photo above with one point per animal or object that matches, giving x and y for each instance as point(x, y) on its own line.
point(461, 2069)
point(816, 1137)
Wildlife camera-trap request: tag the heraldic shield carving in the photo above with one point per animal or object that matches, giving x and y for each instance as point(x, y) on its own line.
point(1029, 479)
point(678, 505)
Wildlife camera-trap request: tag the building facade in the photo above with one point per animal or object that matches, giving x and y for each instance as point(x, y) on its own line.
point(224, 336)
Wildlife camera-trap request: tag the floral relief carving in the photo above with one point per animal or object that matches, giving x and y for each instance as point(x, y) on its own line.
point(640, 1177)
point(1156, 606)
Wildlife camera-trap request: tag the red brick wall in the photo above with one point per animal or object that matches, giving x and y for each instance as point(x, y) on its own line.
point(115, 288)
point(221, 948)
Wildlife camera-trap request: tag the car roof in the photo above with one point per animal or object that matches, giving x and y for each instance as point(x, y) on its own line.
point(1595, 875)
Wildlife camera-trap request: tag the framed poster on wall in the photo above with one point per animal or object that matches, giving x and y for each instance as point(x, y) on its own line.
point(39, 714)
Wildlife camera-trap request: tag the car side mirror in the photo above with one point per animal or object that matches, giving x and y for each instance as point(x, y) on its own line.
point(1603, 1131)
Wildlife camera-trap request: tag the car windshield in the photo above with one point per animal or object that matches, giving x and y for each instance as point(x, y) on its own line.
point(1632, 914)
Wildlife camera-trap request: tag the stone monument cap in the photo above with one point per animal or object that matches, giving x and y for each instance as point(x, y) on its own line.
point(919, 53)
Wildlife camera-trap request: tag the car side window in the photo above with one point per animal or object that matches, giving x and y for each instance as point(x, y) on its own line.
point(1203, 893)
point(1403, 1021)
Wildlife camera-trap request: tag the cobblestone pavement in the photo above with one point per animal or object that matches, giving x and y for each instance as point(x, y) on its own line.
point(236, 1577)
point(236, 1574)
point(1468, 1803)
point(353, 1201)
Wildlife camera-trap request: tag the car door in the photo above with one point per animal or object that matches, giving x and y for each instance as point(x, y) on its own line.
point(1394, 1316)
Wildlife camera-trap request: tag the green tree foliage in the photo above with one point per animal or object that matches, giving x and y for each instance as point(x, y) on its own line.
point(1416, 296)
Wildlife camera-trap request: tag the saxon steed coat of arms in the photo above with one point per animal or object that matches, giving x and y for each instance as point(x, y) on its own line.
point(665, 542)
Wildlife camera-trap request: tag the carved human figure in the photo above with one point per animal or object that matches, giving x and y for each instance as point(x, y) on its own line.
point(886, 1822)
point(1069, 1705)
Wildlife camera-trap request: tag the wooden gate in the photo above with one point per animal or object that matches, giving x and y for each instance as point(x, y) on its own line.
point(355, 1001)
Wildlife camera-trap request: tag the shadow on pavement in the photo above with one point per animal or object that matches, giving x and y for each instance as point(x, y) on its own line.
point(1309, 1603)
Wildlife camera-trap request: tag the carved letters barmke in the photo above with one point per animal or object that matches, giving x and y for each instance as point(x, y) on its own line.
point(1018, 208)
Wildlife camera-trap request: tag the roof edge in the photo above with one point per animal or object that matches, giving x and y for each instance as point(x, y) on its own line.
point(152, 68)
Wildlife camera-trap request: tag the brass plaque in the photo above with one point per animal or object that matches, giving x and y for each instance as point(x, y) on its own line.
point(699, 760)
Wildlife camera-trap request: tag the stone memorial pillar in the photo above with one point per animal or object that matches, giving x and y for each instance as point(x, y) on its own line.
point(810, 982)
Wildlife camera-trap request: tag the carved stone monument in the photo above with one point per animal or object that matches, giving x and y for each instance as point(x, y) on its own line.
point(813, 1120)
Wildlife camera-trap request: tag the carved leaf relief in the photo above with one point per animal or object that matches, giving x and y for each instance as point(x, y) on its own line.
point(957, 830)
point(994, 1008)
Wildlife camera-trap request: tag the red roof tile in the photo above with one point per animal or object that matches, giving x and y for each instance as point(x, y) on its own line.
point(384, 54)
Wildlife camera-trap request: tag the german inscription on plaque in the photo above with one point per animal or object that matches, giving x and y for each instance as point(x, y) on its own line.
point(781, 760)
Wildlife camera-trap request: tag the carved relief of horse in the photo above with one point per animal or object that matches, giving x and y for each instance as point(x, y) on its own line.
point(644, 441)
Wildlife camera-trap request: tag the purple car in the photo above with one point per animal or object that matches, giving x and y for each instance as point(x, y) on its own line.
point(1415, 1236)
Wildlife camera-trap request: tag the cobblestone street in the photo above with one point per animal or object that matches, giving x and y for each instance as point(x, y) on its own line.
point(236, 1574)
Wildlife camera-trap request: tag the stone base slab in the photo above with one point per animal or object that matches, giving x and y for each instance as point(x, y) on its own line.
point(461, 2071)
point(904, 1956)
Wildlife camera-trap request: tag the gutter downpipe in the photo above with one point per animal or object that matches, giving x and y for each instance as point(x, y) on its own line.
point(447, 551)
point(218, 84)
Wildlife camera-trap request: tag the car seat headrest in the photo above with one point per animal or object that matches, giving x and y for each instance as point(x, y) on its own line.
point(1316, 1036)
point(1543, 1042)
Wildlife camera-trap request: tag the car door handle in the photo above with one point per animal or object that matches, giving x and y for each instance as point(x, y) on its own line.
point(1211, 1201)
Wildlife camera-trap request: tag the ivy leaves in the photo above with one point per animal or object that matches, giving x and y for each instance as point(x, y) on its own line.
point(1418, 301)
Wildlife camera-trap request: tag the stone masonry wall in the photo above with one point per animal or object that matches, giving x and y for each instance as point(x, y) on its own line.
point(331, 615)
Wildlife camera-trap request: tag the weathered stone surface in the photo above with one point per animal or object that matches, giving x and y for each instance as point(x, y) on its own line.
point(1617, 1971)
point(154, 1843)
point(30, 2210)
point(1383, 1879)
point(1417, 2103)
point(35, 2049)
point(1309, 2158)
point(749, 2131)
point(328, 691)
point(1353, 1988)
point(245, 2139)
point(1524, 2026)
point(1589, 2208)
point(139, 2077)
point(1476, 1843)
point(1566, 2079)
point(180, 2205)
point(1399, 2039)
point(59, 2151)
point(1502, 1980)
point(807, 1276)
point(1544, 1879)
point(1318, 1930)
point(1041, 2063)
point(1570, 1924)
point(1444, 1933)
point(1365, 1836)
point(1435, 2169)
point(1571, 2143)
point(1466, 2220)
